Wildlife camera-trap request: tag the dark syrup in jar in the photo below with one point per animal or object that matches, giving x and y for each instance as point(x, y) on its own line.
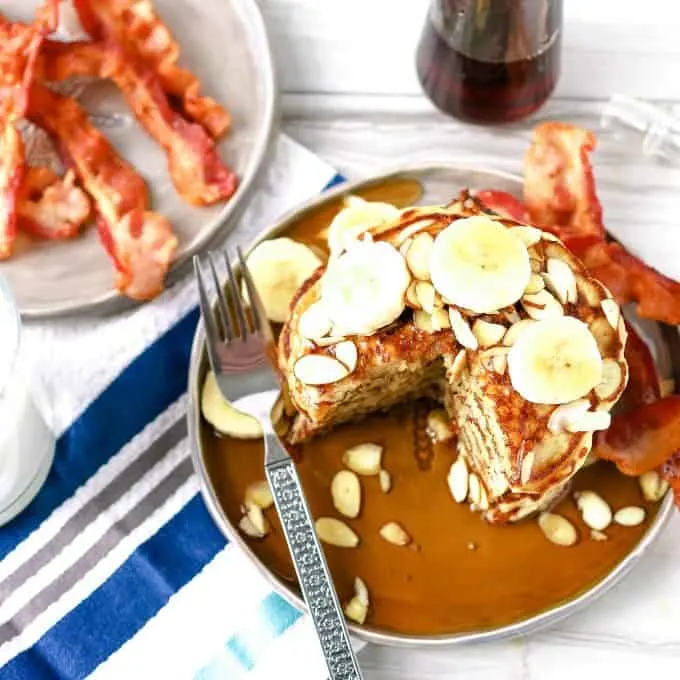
point(490, 61)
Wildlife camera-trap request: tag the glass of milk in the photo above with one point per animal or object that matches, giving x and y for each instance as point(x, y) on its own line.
point(26, 439)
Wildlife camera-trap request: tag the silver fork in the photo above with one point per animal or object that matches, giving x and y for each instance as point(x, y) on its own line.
point(242, 359)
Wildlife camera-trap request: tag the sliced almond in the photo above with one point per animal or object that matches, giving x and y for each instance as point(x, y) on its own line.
point(516, 330)
point(248, 528)
point(667, 387)
point(461, 329)
point(440, 319)
point(364, 459)
point(411, 297)
point(314, 322)
point(511, 315)
point(598, 535)
point(260, 494)
point(418, 256)
point(394, 533)
point(612, 311)
point(346, 493)
point(361, 591)
point(527, 467)
point(457, 365)
point(536, 264)
point(557, 529)
point(356, 611)
point(256, 516)
point(565, 414)
point(458, 480)
point(654, 487)
point(425, 294)
point(592, 421)
point(542, 305)
point(413, 229)
point(613, 380)
point(495, 359)
point(423, 321)
point(319, 369)
point(589, 291)
point(483, 499)
point(385, 481)
point(488, 333)
point(560, 280)
point(548, 236)
point(630, 516)
point(439, 425)
point(529, 235)
point(330, 340)
point(347, 353)
point(594, 510)
point(474, 489)
point(535, 284)
point(335, 532)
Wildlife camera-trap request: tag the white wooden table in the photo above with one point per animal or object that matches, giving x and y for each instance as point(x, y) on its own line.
point(351, 95)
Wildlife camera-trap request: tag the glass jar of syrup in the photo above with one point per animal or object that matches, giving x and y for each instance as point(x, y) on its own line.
point(490, 61)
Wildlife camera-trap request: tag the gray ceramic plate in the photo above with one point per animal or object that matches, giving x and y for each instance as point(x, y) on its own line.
point(439, 184)
point(225, 44)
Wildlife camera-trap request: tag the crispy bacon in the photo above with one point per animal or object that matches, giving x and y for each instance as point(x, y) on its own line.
point(197, 172)
point(50, 206)
point(504, 203)
point(140, 242)
point(559, 187)
point(134, 25)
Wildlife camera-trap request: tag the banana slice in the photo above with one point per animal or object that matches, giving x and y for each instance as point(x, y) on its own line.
point(279, 267)
point(480, 265)
point(354, 219)
point(364, 288)
point(555, 361)
point(223, 416)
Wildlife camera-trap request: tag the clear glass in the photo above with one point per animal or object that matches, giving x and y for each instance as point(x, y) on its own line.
point(26, 438)
point(490, 61)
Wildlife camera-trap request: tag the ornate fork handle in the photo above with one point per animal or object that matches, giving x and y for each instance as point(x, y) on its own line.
point(310, 564)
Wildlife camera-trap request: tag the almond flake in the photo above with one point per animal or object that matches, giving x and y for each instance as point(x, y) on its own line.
point(411, 297)
point(557, 529)
point(536, 265)
point(630, 516)
point(364, 459)
point(535, 284)
point(461, 329)
point(257, 519)
point(423, 321)
point(346, 493)
point(613, 380)
point(414, 229)
point(516, 330)
point(425, 294)
point(594, 510)
point(248, 528)
point(511, 315)
point(385, 481)
point(612, 311)
point(542, 305)
point(335, 532)
point(527, 466)
point(458, 480)
point(528, 235)
point(418, 256)
point(483, 499)
point(347, 353)
point(361, 591)
point(314, 322)
point(330, 340)
point(598, 535)
point(488, 333)
point(589, 290)
point(356, 611)
point(548, 236)
point(439, 425)
point(560, 280)
point(474, 489)
point(440, 319)
point(565, 414)
point(457, 365)
point(592, 421)
point(653, 486)
point(394, 533)
point(319, 369)
point(260, 494)
point(495, 359)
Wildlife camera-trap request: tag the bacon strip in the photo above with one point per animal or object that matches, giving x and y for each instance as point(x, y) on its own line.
point(140, 242)
point(50, 206)
point(198, 173)
point(134, 25)
point(559, 193)
point(504, 204)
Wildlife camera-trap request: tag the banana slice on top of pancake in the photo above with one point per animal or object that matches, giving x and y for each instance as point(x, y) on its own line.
point(364, 288)
point(355, 218)
point(478, 264)
point(555, 361)
point(279, 267)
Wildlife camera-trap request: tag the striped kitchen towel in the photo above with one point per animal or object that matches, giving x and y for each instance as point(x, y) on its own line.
point(116, 569)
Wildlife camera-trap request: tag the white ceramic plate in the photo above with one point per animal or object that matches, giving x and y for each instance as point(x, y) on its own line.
point(225, 43)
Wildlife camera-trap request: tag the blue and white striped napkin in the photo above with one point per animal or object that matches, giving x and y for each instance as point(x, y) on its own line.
point(116, 569)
